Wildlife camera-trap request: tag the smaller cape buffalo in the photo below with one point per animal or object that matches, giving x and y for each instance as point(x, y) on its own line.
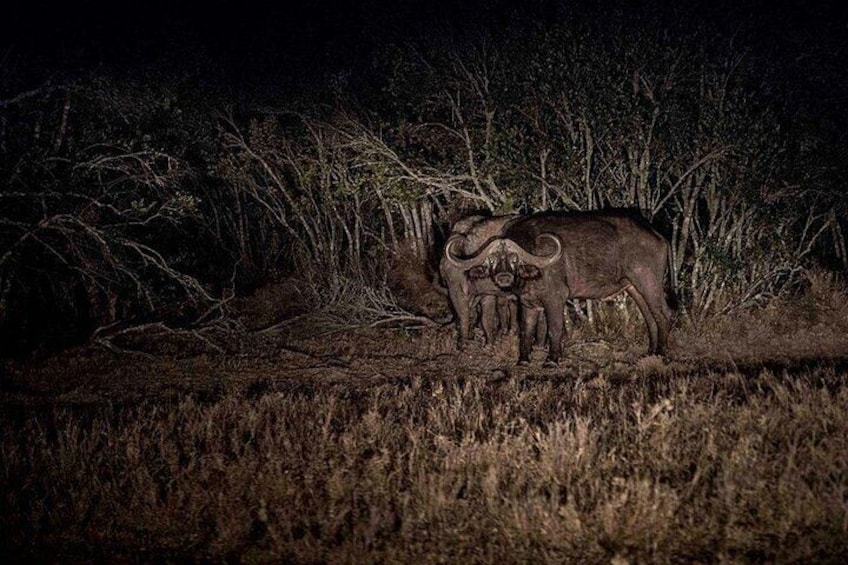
point(497, 306)
point(548, 258)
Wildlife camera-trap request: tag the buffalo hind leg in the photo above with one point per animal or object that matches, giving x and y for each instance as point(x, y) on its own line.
point(662, 316)
point(647, 314)
point(653, 292)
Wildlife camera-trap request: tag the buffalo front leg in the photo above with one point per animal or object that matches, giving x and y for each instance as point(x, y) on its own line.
point(541, 329)
point(507, 314)
point(489, 315)
point(527, 331)
point(554, 314)
point(462, 307)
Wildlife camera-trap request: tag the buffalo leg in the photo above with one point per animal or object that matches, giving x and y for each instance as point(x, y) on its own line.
point(507, 314)
point(462, 306)
point(648, 315)
point(662, 315)
point(527, 331)
point(554, 314)
point(650, 288)
point(489, 317)
point(541, 329)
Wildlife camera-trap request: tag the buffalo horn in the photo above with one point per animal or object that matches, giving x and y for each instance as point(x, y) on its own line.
point(469, 262)
point(540, 261)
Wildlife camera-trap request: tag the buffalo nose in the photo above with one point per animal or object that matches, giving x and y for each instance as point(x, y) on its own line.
point(504, 279)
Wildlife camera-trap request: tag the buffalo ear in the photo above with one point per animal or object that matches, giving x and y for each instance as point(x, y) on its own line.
point(529, 272)
point(478, 272)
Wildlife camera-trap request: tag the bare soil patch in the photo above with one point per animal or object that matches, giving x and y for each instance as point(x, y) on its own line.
point(317, 350)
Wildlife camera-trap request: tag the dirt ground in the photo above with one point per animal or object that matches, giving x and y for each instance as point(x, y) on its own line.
point(316, 350)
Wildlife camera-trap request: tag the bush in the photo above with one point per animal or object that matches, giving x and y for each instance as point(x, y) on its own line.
point(135, 199)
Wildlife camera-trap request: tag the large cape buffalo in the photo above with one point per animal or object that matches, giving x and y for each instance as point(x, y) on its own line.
point(548, 258)
point(497, 306)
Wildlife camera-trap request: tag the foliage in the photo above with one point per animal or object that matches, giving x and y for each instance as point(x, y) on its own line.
point(137, 198)
point(101, 211)
point(587, 118)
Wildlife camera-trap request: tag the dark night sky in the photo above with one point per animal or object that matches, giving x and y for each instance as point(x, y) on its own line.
point(237, 28)
point(231, 31)
point(287, 40)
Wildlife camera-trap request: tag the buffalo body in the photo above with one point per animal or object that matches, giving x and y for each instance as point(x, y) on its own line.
point(549, 258)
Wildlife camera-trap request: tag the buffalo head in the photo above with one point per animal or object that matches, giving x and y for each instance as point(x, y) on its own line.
point(504, 261)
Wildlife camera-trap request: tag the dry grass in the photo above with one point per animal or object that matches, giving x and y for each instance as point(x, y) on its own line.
point(384, 446)
point(679, 468)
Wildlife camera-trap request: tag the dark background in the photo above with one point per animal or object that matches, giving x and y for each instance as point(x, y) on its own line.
point(259, 52)
point(288, 40)
point(240, 58)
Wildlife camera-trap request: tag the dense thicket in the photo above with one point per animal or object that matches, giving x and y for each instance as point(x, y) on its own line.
point(143, 198)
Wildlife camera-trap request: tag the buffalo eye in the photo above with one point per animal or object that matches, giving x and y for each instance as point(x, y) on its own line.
point(478, 272)
point(529, 272)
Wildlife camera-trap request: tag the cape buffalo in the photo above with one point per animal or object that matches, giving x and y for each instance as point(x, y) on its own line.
point(548, 258)
point(465, 291)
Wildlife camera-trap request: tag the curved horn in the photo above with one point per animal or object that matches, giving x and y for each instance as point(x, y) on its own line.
point(471, 261)
point(540, 261)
